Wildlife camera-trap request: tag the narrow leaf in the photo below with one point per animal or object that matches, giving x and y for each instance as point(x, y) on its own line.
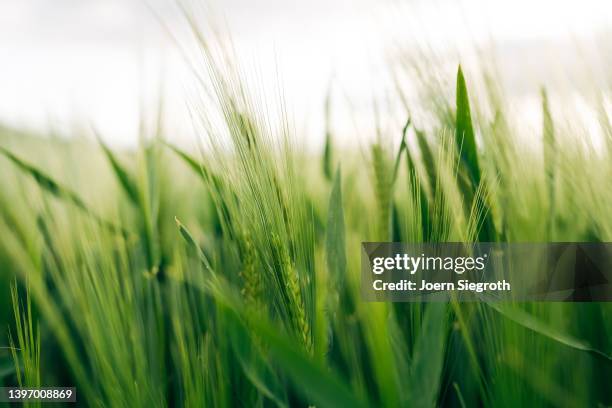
point(255, 365)
point(428, 357)
point(199, 168)
point(528, 321)
point(420, 196)
point(402, 147)
point(328, 150)
point(48, 184)
point(396, 228)
point(466, 143)
point(320, 385)
point(464, 133)
point(125, 179)
point(215, 186)
point(383, 185)
point(335, 239)
point(193, 244)
point(428, 161)
point(459, 395)
point(548, 135)
point(194, 164)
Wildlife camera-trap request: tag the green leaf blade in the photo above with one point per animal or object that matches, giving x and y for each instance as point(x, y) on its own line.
point(428, 357)
point(464, 132)
point(335, 236)
point(125, 179)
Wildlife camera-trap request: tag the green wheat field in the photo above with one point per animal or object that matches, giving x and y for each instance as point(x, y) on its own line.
point(229, 275)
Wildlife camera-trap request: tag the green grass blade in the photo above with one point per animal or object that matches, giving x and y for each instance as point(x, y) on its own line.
point(466, 143)
point(420, 197)
point(464, 132)
point(541, 381)
point(328, 154)
point(396, 227)
point(534, 324)
point(426, 223)
point(125, 179)
point(320, 385)
point(54, 188)
point(26, 351)
point(149, 206)
point(191, 161)
point(383, 188)
point(402, 148)
point(43, 180)
point(459, 395)
point(217, 188)
point(255, 366)
point(335, 240)
point(193, 244)
point(428, 161)
point(548, 134)
point(428, 357)
point(200, 169)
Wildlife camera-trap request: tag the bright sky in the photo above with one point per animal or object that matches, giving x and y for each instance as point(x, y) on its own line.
point(78, 61)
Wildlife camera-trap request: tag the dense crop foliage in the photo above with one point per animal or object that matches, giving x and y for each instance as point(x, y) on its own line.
point(230, 277)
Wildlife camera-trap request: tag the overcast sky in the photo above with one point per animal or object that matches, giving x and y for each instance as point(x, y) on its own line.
point(65, 61)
